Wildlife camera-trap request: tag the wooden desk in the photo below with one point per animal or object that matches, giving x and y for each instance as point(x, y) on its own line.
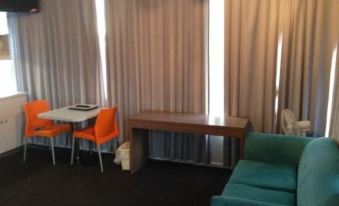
point(140, 124)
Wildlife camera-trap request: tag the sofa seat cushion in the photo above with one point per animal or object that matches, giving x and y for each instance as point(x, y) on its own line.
point(265, 175)
point(247, 192)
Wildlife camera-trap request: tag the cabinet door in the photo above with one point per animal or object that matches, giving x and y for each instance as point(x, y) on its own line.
point(7, 134)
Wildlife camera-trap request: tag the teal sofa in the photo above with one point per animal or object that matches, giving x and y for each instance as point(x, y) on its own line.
point(284, 170)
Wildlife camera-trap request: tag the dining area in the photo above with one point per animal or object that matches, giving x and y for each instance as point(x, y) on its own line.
point(101, 126)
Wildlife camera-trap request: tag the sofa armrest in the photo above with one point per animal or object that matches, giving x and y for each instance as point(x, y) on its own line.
point(274, 148)
point(233, 201)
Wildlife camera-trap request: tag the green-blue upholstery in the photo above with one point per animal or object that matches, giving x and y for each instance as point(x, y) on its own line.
point(280, 149)
point(259, 194)
point(284, 170)
point(266, 175)
point(318, 174)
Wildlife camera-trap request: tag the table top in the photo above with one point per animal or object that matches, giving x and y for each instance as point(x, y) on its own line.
point(192, 119)
point(67, 115)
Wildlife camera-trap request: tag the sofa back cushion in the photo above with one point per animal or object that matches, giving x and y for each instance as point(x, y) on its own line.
point(318, 174)
point(275, 148)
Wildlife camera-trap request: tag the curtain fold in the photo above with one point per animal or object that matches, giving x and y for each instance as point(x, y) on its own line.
point(251, 43)
point(56, 55)
point(252, 29)
point(156, 61)
point(334, 129)
point(310, 35)
point(261, 36)
point(334, 126)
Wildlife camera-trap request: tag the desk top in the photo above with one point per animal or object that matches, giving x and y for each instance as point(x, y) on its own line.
point(190, 119)
point(200, 124)
point(67, 115)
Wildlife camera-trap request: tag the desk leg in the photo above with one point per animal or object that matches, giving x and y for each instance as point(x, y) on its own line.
point(242, 147)
point(139, 148)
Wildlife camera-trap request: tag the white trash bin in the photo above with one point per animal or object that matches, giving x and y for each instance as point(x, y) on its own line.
point(122, 156)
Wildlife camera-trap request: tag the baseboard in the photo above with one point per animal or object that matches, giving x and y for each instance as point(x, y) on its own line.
point(103, 151)
point(10, 152)
point(218, 165)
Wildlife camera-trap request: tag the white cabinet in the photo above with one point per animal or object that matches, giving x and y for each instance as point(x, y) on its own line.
point(11, 121)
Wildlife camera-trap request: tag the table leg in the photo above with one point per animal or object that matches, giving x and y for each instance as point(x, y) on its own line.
point(77, 151)
point(83, 160)
point(74, 126)
point(139, 148)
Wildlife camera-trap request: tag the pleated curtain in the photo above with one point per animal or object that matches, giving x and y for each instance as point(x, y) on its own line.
point(251, 42)
point(252, 29)
point(309, 38)
point(307, 31)
point(56, 55)
point(156, 61)
point(334, 126)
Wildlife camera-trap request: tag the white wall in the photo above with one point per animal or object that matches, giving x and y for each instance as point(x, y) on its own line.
point(11, 121)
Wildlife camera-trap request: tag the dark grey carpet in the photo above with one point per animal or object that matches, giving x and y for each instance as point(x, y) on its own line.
point(37, 182)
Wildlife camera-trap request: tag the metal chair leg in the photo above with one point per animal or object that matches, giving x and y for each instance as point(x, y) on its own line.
point(52, 148)
point(25, 149)
point(72, 155)
point(99, 154)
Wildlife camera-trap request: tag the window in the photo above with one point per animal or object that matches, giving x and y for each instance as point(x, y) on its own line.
point(277, 78)
point(7, 75)
point(101, 22)
point(216, 58)
point(215, 74)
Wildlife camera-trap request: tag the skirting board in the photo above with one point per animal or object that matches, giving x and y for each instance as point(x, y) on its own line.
point(212, 164)
point(10, 152)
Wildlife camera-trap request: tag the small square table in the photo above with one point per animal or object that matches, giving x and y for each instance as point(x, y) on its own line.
point(67, 115)
point(72, 116)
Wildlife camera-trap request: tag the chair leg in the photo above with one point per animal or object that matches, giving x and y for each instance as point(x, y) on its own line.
point(99, 154)
point(25, 149)
point(72, 155)
point(118, 144)
point(91, 146)
point(52, 148)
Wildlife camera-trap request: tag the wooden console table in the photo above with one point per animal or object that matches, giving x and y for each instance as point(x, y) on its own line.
point(140, 124)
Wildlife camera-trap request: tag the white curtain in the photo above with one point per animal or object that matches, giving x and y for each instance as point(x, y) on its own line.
point(307, 31)
point(156, 61)
point(334, 129)
point(309, 36)
point(252, 29)
point(56, 54)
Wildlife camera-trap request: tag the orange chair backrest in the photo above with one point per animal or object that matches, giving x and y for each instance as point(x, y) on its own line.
point(32, 109)
point(106, 122)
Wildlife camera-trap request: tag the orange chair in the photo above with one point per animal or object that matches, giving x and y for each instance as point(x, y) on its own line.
point(36, 127)
point(105, 128)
